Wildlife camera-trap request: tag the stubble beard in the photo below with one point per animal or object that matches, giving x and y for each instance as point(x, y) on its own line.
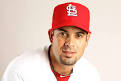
point(67, 61)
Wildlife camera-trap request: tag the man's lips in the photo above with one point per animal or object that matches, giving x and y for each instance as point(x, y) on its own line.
point(68, 53)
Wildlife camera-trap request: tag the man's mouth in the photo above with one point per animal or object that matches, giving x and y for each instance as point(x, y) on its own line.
point(68, 53)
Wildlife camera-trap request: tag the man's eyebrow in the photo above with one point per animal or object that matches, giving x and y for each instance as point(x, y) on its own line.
point(81, 32)
point(61, 29)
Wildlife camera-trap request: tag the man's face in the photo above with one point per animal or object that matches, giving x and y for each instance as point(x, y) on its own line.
point(68, 44)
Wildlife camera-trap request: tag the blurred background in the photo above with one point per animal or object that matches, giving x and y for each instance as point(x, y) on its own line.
point(24, 26)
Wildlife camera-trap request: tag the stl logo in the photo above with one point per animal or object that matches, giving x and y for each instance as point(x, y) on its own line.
point(71, 10)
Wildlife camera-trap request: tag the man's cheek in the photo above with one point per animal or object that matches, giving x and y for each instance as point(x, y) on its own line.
point(61, 42)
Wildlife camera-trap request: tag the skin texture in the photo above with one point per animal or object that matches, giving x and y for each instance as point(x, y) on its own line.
point(68, 45)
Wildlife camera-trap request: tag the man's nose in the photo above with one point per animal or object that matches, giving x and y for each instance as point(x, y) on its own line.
point(70, 41)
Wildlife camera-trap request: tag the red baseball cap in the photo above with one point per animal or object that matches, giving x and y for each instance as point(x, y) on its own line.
point(70, 14)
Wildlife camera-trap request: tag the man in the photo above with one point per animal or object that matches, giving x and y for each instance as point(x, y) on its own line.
point(63, 60)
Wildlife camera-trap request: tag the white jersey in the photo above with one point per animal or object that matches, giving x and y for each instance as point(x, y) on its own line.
point(35, 66)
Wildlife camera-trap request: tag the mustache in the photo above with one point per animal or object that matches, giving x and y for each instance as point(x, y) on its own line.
point(67, 48)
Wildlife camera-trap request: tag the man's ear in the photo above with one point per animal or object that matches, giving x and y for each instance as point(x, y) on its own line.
point(87, 39)
point(51, 36)
point(88, 36)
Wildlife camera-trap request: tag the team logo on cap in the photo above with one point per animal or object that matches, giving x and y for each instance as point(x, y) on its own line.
point(71, 10)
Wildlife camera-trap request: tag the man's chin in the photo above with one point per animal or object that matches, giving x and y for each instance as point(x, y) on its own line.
point(67, 61)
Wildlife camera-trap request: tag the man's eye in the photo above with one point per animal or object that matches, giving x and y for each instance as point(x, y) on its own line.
point(63, 34)
point(80, 35)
